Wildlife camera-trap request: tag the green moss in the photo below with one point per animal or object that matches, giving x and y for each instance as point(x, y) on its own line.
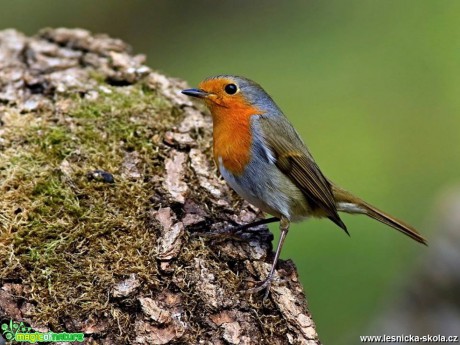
point(68, 238)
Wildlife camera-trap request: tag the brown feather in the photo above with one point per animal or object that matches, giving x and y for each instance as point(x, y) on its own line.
point(363, 207)
point(304, 173)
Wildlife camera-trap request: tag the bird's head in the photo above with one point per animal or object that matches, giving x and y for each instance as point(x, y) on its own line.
point(227, 95)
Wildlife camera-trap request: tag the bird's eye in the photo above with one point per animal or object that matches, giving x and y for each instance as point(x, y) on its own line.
point(231, 89)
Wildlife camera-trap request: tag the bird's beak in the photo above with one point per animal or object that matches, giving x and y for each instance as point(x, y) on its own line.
point(196, 93)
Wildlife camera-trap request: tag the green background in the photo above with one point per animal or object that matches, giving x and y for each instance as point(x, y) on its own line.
point(373, 88)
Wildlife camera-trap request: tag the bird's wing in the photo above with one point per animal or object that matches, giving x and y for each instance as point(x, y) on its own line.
point(294, 160)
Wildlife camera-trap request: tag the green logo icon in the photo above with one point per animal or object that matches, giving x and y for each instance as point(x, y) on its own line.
point(18, 331)
point(10, 330)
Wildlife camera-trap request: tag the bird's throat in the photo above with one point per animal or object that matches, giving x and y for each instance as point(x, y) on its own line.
point(232, 138)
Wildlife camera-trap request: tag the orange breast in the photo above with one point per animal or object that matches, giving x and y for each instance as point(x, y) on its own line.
point(232, 135)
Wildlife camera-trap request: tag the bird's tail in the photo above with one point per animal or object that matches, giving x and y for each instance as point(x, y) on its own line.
point(347, 202)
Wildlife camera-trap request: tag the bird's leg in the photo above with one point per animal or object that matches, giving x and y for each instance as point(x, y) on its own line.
point(284, 227)
point(257, 223)
point(232, 232)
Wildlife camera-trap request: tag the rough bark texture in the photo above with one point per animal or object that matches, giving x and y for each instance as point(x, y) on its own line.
point(105, 176)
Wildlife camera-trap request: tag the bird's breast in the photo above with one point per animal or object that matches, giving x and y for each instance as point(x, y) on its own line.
point(232, 146)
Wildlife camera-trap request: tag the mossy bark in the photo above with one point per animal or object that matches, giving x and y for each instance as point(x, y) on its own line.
point(105, 175)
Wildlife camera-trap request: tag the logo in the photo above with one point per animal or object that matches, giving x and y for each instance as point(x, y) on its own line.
point(18, 331)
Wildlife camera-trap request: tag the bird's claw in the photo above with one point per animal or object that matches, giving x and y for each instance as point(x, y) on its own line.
point(263, 285)
point(221, 235)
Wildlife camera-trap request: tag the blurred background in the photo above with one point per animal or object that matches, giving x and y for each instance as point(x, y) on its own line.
point(372, 86)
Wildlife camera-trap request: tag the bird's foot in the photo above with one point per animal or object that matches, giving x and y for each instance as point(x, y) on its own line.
point(262, 285)
point(242, 233)
point(232, 233)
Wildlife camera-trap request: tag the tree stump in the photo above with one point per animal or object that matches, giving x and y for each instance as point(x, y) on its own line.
point(105, 177)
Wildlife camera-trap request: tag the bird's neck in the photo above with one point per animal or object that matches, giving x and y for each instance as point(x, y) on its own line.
point(232, 137)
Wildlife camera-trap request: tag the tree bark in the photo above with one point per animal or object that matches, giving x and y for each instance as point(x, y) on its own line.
point(105, 179)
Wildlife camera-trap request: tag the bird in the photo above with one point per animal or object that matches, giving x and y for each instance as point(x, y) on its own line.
point(263, 158)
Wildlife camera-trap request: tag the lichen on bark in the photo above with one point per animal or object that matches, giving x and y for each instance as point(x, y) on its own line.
point(105, 175)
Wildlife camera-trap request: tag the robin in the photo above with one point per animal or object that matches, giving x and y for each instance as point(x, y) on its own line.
point(263, 158)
